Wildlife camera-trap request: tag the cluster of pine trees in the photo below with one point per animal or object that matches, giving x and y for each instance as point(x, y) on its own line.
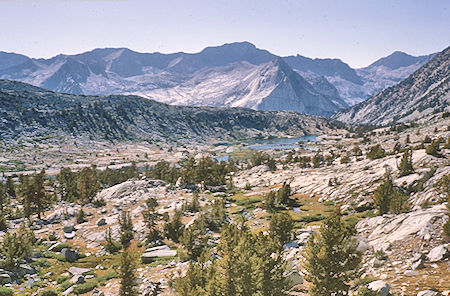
point(205, 170)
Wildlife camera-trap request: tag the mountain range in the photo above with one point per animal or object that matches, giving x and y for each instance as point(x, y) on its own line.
point(29, 112)
point(424, 92)
point(231, 75)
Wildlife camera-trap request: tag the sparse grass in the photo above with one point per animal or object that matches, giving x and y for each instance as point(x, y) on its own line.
point(161, 261)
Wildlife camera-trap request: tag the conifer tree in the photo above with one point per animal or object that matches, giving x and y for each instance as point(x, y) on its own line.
point(388, 199)
point(126, 229)
point(15, 247)
point(151, 218)
point(128, 279)
point(280, 228)
point(405, 167)
point(173, 228)
point(331, 259)
point(68, 186)
point(39, 196)
point(10, 188)
point(26, 194)
point(383, 194)
point(111, 246)
point(87, 184)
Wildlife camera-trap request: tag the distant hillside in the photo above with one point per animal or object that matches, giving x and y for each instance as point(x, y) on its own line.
point(425, 91)
point(217, 76)
point(28, 111)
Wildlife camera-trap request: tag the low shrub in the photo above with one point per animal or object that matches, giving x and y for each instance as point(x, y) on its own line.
point(86, 287)
point(62, 278)
point(65, 285)
point(49, 292)
point(6, 291)
point(312, 218)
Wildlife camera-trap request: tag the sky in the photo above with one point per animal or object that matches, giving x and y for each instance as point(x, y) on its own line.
point(356, 31)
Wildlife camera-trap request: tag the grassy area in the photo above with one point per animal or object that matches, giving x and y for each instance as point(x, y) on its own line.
point(311, 211)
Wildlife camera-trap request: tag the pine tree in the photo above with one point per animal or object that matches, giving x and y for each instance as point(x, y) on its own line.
point(173, 229)
point(270, 201)
point(33, 194)
point(126, 229)
point(283, 194)
point(405, 167)
point(128, 279)
point(10, 188)
point(39, 195)
point(433, 148)
point(111, 246)
point(68, 186)
point(16, 246)
point(87, 184)
point(151, 218)
point(280, 228)
point(388, 199)
point(331, 259)
point(383, 194)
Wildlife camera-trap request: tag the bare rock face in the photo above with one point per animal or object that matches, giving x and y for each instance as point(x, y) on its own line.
point(383, 230)
point(129, 191)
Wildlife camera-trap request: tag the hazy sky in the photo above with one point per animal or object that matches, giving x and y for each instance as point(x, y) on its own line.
point(357, 31)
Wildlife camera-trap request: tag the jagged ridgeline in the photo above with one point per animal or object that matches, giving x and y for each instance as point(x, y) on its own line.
point(424, 92)
point(28, 111)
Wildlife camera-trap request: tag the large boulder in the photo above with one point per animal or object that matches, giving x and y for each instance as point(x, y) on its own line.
point(70, 235)
point(381, 287)
point(438, 253)
point(101, 222)
point(157, 252)
point(78, 270)
point(70, 255)
point(69, 227)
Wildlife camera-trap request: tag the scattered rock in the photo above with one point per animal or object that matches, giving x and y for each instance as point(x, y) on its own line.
point(69, 235)
point(70, 255)
point(55, 247)
point(381, 287)
point(101, 222)
point(77, 279)
point(419, 264)
point(428, 293)
point(5, 279)
point(69, 227)
point(411, 273)
point(97, 292)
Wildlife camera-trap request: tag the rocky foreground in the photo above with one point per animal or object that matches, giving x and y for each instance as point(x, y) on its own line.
point(403, 254)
